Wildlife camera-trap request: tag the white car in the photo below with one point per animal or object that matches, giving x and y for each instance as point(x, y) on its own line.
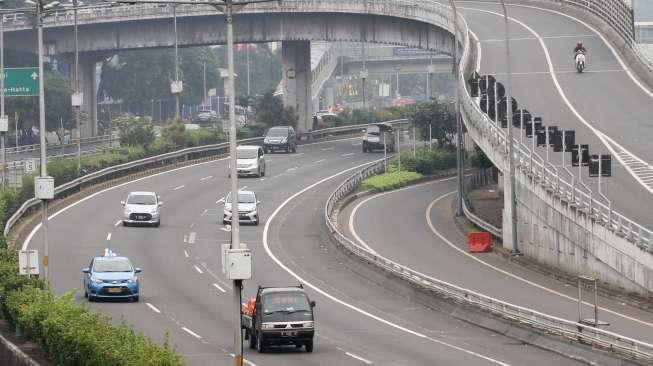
point(142, 208)
point(247, 208)
point(250, 160)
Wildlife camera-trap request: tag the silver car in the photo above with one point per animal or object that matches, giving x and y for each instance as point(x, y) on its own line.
point(142, 208)
point(247, 208)
point(250, 160)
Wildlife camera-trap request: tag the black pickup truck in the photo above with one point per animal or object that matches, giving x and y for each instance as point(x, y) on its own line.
point(279, 316)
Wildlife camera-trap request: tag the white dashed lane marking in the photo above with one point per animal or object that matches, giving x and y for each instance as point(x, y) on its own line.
point(153, 308)
point(219, 288)
point(206, 178)
point(198, 269)
point(178, 187)
point(108, 236)
point(191, 332)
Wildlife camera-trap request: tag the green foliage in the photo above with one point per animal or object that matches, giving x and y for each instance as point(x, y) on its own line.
point(391, 180)
point(441, 118)
point(478, 159)
point(271, 112)
point(427, 162)
point(203, 136)
point(173, 133)
point(72, 335)
point(134, 131)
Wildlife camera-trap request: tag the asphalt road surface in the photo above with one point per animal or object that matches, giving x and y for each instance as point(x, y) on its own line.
point(185, 295)
point(428, 241)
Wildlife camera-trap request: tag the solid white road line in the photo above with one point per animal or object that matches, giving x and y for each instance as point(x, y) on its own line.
point(219, 288)
point(191, 237)
point(179, 187)
point(359, 358)
point(266, 245)
point(186, 254)
point(354, 211)
point(153, 308)
point(191, 332)
point(346, 155)
point(108, 236)
point(206, 178)
point(509, 274)
point(198, 269)
point(534, 39)
point(118, 223)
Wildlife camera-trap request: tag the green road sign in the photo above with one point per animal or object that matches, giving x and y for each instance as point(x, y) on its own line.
point(21, 82)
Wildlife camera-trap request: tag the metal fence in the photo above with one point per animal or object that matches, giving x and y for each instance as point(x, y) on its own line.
point(612, 342)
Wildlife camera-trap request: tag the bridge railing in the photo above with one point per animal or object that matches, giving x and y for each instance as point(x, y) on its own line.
point(608, 341)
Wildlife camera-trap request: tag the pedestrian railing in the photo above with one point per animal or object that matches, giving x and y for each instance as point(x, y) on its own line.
point(577, 332)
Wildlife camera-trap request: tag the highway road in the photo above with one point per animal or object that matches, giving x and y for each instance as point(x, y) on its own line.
point(186, 295)
point(428, 241)
point(604, 100)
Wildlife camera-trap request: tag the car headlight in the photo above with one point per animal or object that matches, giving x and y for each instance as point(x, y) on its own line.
point(284, 140)
point(154, 210)
point(96, 280)
point(132, 280)
point(267, 326)
point(308, 324)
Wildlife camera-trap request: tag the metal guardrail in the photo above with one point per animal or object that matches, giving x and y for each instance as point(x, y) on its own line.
point(190, 153)
point(624, 346)
point(478, 221)
point(51, 146)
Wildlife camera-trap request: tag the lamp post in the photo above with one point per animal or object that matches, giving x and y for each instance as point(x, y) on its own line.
point(177, 87)
point(228, 8)
point(511, 156)
point(77, 98)
point(459, 127)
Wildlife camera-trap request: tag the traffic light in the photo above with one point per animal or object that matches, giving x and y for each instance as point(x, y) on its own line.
point(570, 140)
point(606, 165)
point(474, 80)
point(584, 151)
point(521, 117)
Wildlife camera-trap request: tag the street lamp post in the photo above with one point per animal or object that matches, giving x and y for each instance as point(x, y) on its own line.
point(511, 156)
point(176, 87)
point(459, 128)
point(77, 97)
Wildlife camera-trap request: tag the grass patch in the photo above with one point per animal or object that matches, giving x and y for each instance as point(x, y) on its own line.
point(392, 180)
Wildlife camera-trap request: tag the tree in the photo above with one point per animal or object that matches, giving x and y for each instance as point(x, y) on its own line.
point(441, 119)
point(271, 112)
point(134, 131)
point(173, 133)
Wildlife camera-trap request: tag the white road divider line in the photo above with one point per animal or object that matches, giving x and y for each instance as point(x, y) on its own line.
point(191, 237)
point(292, 169)
point(179, 187)
point(36, 228)
point(272, 256)
point(328, 148)
point(198, 269)
point(206, 178)
point(108, 236)
point(118, 223)
point(242, 188)
point(153, 308)
point(219, 288)
point(191, 332)
point(319, 161)
point(509, 274)
point(244, 360)
point(346, 155)
point(359, 358)
point(186, 254)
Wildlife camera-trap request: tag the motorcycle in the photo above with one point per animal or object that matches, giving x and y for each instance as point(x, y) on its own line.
point(580, 61)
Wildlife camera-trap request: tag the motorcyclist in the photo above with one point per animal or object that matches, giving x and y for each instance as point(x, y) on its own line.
point(579, 48)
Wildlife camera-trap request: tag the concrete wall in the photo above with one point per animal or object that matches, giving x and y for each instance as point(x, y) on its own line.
point(554, 233)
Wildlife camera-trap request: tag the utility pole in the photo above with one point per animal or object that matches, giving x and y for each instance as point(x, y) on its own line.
point(176, 88)
point(77, 98)
point(247, 54)
point(204, 83)
point(364, 75)
point(459, 123)
point(511, 154)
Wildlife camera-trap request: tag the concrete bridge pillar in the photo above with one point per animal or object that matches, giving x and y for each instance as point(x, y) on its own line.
point(507, 224)
point(297, 81)
point(88, 86)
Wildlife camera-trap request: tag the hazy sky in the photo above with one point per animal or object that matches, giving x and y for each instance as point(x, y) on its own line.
point(643, 10)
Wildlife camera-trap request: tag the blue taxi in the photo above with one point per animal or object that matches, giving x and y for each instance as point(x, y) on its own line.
point(111, 276)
